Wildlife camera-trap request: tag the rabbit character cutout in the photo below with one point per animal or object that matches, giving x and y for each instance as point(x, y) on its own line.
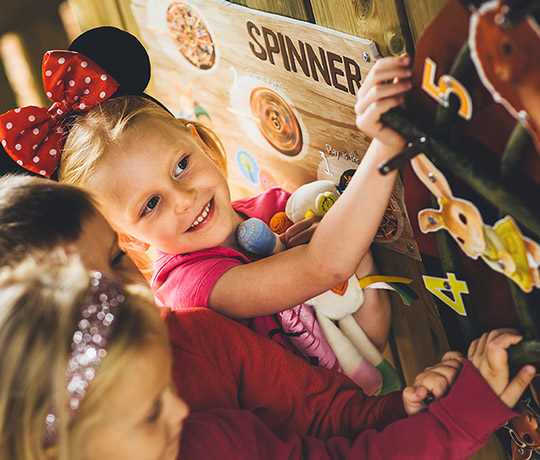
point(502, 246)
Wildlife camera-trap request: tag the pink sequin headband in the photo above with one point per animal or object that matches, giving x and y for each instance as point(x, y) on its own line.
point(34, 136)
point(88, 345)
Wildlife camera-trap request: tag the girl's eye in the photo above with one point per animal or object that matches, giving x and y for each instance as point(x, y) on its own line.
point(156, 412)
point(152, 203)
point(118, 258)
point(181, 165)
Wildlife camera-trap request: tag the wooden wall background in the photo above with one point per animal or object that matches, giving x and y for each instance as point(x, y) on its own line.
point(418, 338)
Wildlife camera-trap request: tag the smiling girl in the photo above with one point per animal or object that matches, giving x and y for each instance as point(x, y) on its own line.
point(162, 181)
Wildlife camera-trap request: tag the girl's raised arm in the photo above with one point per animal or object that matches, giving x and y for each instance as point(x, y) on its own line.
point(341, 239)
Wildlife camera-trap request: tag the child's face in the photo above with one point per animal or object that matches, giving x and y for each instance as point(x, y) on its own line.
point(161, 188)
point(98, 248)
point(142, 416)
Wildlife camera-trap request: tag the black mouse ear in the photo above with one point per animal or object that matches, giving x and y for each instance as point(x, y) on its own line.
point(120, 54)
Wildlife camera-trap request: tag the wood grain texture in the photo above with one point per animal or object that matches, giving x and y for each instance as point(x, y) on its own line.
point(420, 14)
point(296, 9)
point(384, 22)
point(38, 36)
point(7, 98)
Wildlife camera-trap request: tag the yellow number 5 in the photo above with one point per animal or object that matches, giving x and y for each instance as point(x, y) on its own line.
point(447, 84)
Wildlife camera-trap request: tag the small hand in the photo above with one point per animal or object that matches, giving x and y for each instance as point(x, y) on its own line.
point(488, 354)
point(383, 89)
point(435, 380)
point(301, 232)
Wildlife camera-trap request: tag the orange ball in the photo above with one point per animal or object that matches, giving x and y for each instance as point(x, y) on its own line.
point(280, 223)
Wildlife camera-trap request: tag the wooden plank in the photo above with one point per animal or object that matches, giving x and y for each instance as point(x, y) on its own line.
point(296, 9)
point(384, 22)
point(87, 13)
point(493, 450)
point(17, 13)
point(39, 35)
point(127, 17)
point(420, 15)
point(7, 98)
point(420, 340)
point(94, 13)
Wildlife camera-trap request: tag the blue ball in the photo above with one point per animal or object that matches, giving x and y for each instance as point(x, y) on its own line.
point(256, 237)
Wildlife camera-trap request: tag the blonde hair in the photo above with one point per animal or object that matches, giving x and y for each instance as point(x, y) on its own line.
point(40, 307)
point(94, 134)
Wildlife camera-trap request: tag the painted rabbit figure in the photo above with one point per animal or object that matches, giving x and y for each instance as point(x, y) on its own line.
point(502, 246)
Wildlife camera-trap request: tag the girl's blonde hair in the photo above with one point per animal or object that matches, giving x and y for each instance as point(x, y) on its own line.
point(94, 134)
point(41, 303)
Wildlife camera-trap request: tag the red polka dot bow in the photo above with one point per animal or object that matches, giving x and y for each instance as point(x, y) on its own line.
point(34, 136)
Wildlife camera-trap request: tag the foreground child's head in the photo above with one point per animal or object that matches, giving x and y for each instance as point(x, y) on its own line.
point(85, 367)
point(157, 178)
point(39, 214)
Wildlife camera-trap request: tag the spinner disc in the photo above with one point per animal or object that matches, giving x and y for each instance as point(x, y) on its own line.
point(276, 121)
point(191, 36)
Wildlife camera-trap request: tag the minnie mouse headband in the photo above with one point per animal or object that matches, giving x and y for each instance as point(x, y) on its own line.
point(33, 136)
point(116, 53)
point(88, 345)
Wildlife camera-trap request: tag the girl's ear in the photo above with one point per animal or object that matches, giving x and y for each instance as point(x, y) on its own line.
point(193, 130)
point(129, 242)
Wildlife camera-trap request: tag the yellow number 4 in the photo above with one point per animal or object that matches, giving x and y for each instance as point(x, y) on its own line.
point(437, 285)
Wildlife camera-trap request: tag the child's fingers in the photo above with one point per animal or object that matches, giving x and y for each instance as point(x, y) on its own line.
point(381, 92)
point(513, 391)
point(389, 68)
point(368, 120)
point(413, 398)
point(449, 355)
point(480, 345)
point(387, 76)
point(300, 232)
point(472, 348)
point(439, 378)
point(496, 354)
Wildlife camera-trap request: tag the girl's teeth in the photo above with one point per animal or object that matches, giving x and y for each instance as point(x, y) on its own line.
point(202, 216)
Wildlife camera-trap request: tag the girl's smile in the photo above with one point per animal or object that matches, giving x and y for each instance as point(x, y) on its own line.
point(204, 217)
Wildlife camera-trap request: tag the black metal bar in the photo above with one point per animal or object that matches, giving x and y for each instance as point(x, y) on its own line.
point(514, 153)
point(405, 155)
point(474, 171)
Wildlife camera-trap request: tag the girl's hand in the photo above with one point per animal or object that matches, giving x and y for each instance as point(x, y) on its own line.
point(301, 232)
point(488, 354)
point(383, 89)
point(436, 380)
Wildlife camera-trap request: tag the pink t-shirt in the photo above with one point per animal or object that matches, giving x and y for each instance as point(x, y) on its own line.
point(185, 280)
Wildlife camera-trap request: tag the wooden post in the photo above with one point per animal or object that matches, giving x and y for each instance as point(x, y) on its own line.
point(39, 35)
point(7, 99)
point(384, 22)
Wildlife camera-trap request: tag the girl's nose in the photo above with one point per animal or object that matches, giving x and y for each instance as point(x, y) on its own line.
point(184, 200)
point(176, 407)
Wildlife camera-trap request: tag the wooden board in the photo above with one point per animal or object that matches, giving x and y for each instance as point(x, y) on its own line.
point(384, 22)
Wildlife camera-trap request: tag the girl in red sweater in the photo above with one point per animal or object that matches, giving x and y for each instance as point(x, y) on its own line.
point(85, 368)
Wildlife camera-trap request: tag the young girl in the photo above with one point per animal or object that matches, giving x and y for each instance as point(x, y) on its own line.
point(79, 349)
point(162, 181)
